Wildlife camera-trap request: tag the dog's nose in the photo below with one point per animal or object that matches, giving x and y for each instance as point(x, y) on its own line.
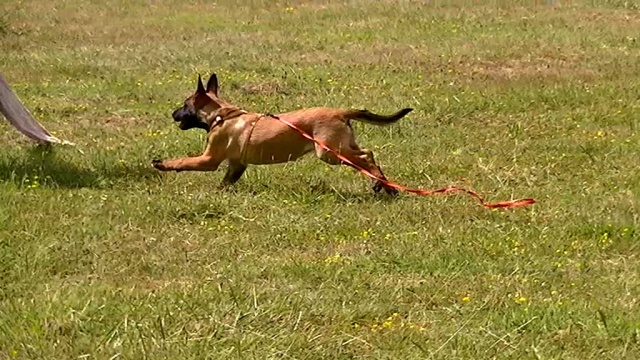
point(175, 114)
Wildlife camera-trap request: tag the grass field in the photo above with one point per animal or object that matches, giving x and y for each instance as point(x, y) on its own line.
point(102, 257)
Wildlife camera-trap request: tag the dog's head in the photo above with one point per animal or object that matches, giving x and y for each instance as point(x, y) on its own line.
point(196, 107)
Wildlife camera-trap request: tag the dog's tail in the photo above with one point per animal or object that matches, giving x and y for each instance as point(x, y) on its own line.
point(369, 117)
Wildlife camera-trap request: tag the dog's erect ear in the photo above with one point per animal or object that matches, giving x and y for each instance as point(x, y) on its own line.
point(212, 84)
point(200, 89)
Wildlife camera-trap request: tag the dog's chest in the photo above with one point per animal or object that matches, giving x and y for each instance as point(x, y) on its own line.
point(238, 132)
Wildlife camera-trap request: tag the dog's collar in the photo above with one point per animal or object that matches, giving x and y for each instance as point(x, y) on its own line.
point(222, 115)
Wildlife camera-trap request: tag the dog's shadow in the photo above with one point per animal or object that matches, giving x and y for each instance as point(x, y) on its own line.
point(52, 171)
point(313, 190)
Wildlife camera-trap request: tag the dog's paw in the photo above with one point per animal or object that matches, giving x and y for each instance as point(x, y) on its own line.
point(391, 191)
point(378, 186)
point(158, 164)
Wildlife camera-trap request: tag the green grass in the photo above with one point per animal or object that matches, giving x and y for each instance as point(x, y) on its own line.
point(103, 257)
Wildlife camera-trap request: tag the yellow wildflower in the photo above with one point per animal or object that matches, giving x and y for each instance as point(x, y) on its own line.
point(521, 300)
point(333, 259)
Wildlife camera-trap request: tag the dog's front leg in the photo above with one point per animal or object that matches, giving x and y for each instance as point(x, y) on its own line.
point(197, 163)
point(234, 172)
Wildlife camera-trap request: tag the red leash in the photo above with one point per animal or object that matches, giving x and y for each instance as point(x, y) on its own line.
point(501, 204)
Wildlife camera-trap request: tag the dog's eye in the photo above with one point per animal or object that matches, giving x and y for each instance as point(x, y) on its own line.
point(218, 118)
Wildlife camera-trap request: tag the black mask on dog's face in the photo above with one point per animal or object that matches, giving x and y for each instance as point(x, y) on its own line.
point(188, 118)
point(202, 99)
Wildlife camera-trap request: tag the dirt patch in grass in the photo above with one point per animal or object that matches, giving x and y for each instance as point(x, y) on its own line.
point(545, 65)
point(534, 69)
point(120, 121)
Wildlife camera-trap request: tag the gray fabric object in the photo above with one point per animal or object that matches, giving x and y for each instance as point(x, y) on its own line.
point(19, 116)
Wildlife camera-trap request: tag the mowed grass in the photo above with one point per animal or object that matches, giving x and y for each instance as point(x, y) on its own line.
point(104, 258)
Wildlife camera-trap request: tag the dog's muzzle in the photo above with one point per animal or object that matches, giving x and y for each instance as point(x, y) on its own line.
point(177, 114)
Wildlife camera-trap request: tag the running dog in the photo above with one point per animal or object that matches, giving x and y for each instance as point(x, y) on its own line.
point(243, 138)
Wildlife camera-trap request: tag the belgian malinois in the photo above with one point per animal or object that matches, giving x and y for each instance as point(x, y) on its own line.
point(244, 138)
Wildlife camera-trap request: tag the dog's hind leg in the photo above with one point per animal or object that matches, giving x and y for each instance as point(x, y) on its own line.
point(197, 163)
point(362, 158)
point(234, 172)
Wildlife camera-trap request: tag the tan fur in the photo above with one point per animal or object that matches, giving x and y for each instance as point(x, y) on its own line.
point(243, 138)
